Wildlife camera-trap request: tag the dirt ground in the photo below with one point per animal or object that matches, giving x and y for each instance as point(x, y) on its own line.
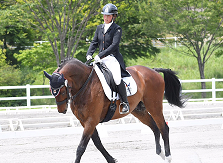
point(200, 144)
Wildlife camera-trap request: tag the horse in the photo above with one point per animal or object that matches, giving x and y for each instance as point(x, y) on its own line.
point(78, 83)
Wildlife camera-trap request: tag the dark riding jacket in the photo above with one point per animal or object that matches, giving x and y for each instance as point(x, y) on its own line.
point(108, 44)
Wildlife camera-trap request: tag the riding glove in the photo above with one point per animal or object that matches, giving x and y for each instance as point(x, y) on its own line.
point(97, 59)
point(89, 57)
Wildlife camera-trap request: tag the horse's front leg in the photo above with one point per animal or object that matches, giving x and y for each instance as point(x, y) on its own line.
point(88, 131)
point(97, 142)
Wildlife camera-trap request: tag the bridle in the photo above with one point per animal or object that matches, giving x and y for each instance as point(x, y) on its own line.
point(69, 97)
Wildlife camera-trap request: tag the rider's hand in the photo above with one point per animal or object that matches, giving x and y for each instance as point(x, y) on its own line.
point(97, 59)
point(89, 57)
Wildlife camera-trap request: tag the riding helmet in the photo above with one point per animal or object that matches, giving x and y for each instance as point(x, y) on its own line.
point(109, 9)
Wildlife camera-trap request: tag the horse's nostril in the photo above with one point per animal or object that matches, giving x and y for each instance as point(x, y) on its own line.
point(65, 111)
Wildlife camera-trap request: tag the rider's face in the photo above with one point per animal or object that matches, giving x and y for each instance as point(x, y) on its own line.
point(108, 19)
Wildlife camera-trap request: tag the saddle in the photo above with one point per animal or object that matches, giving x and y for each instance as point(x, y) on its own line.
point(108, 76)
point(110, 89)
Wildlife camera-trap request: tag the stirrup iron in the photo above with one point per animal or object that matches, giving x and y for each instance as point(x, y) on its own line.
point(120, 110)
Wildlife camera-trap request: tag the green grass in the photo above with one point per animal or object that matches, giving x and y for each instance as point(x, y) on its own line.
point(186, 68)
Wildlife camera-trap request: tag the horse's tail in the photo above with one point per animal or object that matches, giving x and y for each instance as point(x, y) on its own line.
point(173, 89)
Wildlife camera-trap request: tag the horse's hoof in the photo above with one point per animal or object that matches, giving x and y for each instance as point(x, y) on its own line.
point(112, 160)
point(162, 155)
point(168, 159)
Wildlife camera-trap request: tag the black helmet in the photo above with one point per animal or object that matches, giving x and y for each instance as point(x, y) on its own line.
point(109, 9)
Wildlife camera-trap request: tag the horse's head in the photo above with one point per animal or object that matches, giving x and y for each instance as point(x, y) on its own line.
point(59, 89)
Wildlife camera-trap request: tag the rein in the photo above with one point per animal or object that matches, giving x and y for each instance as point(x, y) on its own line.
point(83, 86)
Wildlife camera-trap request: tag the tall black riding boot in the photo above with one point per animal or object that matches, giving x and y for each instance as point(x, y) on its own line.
point(123, 97)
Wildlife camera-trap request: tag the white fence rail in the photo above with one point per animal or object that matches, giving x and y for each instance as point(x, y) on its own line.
point(213, 89)
point(28, 87)
point(174, 116)
point(28, 96)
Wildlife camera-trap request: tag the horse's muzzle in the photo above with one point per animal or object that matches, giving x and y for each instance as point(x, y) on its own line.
point(62, 109)
point(65, 111)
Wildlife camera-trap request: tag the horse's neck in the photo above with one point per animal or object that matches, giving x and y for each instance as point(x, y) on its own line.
point(79, 74)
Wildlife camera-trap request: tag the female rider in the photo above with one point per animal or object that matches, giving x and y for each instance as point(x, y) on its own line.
point(107, 37)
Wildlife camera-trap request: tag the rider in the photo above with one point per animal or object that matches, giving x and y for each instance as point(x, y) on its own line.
point(107, 37)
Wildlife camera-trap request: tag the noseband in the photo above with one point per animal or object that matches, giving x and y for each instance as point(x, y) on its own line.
point(80, 90)
point(66, 99)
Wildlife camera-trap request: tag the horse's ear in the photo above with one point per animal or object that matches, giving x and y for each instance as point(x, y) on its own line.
point(47, 75)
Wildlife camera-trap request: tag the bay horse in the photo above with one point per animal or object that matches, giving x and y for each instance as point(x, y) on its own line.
point(79, 82)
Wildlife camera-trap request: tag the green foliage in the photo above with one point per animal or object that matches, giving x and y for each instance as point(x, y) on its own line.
point(13, 33)
point(9, 76)
point(219, 53)
point(186, 68)
point(12, 77)
point(61, 22)
point(136, 42)
point(82, 51)
point(2, 58)
point(197, 24)
point(33, 62)
point(40, 57)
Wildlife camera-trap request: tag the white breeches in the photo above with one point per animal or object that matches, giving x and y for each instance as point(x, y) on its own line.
point(114, 66)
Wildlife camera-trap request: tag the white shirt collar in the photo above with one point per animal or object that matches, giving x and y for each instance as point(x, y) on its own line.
point(107, 26)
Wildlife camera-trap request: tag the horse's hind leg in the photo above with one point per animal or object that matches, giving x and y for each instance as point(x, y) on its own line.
point(141, 113)
point(97, 142)
point(155, 109)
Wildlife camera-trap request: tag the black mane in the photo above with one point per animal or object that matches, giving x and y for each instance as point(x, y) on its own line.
point(64, 62)
point(68, 60)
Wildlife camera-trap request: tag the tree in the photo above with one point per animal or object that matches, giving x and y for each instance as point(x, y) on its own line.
point(2, 56)
point(10, 76)
point(197, 24)
point(63, 22)
point(136, 41)
point(40, 57)
point(14, 35)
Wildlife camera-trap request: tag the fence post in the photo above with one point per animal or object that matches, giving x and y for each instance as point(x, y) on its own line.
point(28, 94)
point(213, 90)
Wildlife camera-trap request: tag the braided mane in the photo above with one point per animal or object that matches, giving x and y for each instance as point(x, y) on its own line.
point(63, 63)
point(69, 60)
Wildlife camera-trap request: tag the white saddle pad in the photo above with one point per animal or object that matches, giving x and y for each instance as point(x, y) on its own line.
point(130, 82)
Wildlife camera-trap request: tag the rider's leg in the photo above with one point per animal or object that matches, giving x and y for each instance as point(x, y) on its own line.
point(114, 66)
point(123, 97)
